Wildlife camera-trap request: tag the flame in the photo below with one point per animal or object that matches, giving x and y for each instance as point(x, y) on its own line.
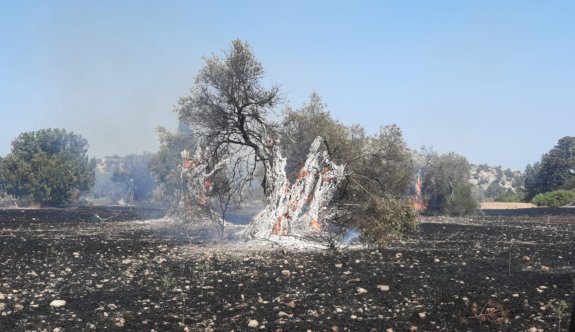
point(277, 227)
point(417, 201)
point(315, 224)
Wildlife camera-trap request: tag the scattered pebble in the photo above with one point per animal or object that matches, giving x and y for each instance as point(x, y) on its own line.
point(360, 290)
point(383, 288)
point(253, 323)
point(58, 303)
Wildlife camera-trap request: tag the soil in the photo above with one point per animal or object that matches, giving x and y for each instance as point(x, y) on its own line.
point(484, 273)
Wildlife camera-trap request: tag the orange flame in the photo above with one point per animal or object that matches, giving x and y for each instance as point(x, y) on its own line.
point(417, 201)
point(277, 227)
point(315, 224)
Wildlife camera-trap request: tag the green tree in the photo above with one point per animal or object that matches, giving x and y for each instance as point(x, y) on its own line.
point(134, 174)
point(552, 172)
point(165, 165)
point(377, 165)
point(378, 168)
point(446, 189)
point(48, 166)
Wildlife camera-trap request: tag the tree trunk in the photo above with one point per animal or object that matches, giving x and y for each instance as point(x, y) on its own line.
point(298, 208)
point(195, 202)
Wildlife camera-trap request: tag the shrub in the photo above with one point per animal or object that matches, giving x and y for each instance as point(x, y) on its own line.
point(382, 219)
point(510, 196)
point(554, 198)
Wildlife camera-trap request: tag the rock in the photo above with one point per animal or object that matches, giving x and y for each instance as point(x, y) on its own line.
point(284, 314)
point(286, 273)
point(515, 295)
point(253, 323)
point(422, 315)
point(2, 306)
point(436, 260)
point(398, 255)
point(412, 328)
point(545, 268)
point(383, 288)
point(120, 321)
point(18, 307)
point(360, 290)
point(291, 304)
point(389, 330)
point(526, 258)
point(58, 303)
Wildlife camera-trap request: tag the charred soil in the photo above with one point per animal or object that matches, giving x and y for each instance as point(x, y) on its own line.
point(490, 273)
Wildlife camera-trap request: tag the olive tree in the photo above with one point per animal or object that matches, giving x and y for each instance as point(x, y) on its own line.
point(228, 110)
point(378, 168)
point(48, 166)
point(446, 186)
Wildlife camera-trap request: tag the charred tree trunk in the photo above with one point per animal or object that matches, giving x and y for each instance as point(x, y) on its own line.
point(195, 200)
point(298, 208)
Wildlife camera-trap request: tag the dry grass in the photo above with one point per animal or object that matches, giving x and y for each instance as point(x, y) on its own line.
point(504, 205)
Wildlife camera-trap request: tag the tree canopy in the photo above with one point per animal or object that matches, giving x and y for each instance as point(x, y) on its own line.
point(48, 166)
point(446, 187)
point(228, 109)
point(552, 172)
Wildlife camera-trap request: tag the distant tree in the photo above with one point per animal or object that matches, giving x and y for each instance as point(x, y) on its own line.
point(446, 188)
point(165, 165)
point(510, 196)
point(48, 166)
point(494, 189)
point(532, 181)
point(134, 174)
point(552, 172)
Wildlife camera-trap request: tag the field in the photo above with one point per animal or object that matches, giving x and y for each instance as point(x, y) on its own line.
point(73, 270)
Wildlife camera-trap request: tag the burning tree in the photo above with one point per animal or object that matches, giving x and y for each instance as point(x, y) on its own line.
point(228, 110)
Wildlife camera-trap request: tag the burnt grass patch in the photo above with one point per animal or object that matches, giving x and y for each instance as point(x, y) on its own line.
point(488, 273)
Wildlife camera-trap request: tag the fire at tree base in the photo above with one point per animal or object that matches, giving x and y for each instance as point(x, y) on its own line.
point(292, 209)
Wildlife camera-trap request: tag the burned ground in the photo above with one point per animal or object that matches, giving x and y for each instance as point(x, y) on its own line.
point(491, 273)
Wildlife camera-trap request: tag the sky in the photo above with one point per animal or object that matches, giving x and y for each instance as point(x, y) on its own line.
point(493, 81)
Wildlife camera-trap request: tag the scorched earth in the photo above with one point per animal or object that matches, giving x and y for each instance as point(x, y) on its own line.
point(489, 273)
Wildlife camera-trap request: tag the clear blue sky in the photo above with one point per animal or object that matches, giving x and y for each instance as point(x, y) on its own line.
point(491, 80)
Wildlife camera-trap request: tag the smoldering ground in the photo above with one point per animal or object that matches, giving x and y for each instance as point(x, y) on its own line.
point(513, 273)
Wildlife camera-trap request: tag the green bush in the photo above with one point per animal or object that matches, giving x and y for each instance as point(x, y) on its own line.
point(383, 219)
point(554, 198)
point(510, 196)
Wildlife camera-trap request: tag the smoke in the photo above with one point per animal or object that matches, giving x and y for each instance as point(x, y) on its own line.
point(350, 235)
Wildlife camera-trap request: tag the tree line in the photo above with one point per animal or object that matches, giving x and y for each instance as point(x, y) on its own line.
point(234, 117)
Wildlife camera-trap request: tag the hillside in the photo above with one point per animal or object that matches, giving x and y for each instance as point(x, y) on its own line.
point(491, 181)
